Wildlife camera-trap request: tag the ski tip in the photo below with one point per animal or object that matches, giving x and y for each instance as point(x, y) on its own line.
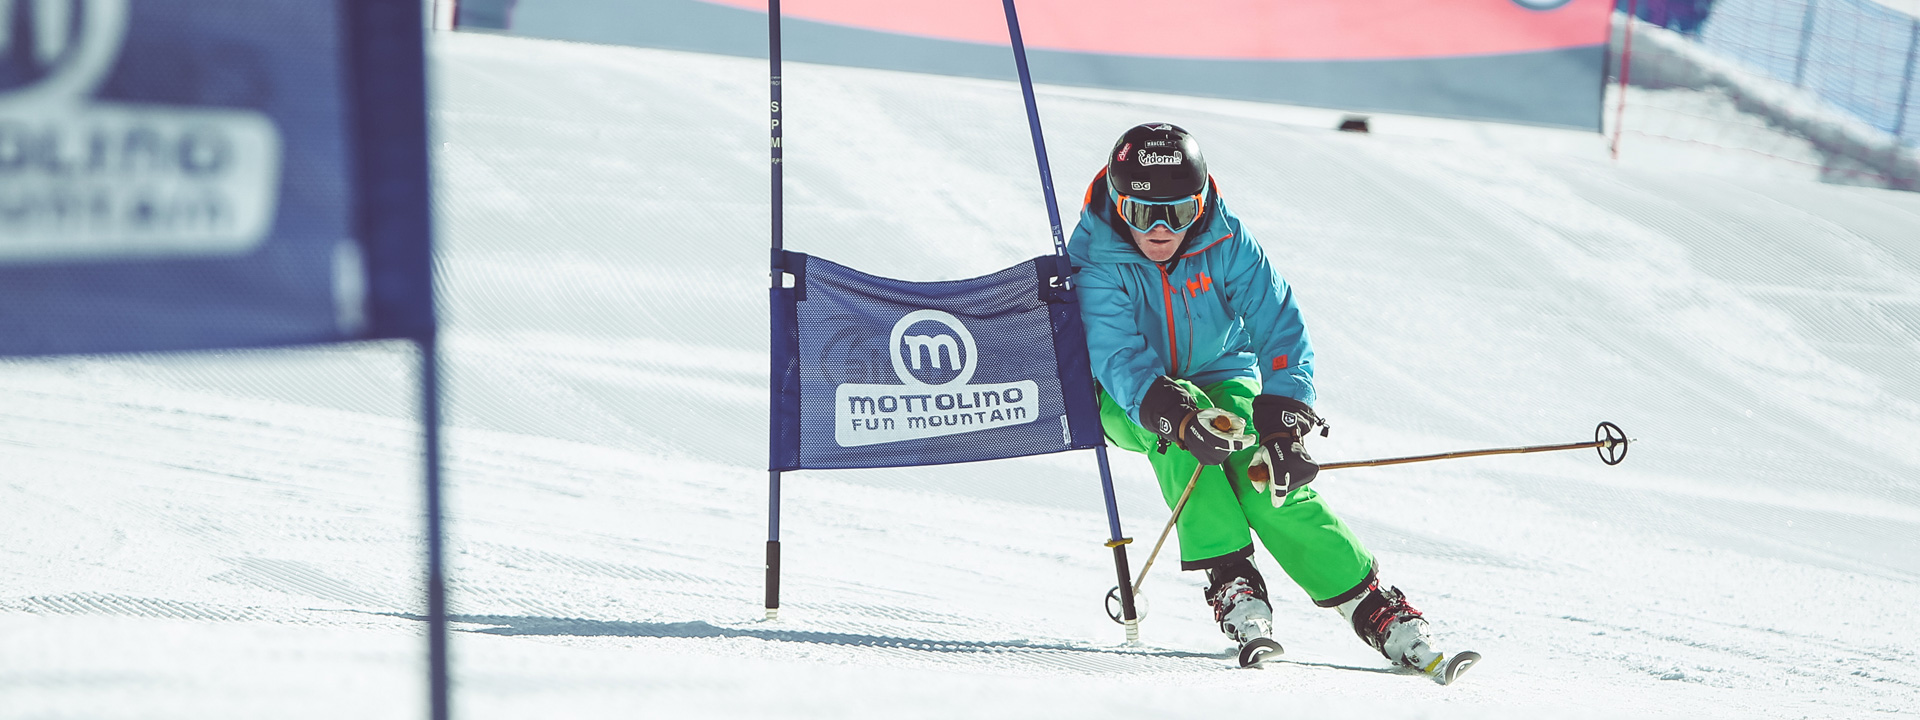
point(1259, 650)
point(1453, 667)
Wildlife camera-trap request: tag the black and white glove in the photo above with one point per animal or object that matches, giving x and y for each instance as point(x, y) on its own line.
point(1282, 462)
point(1211, 434)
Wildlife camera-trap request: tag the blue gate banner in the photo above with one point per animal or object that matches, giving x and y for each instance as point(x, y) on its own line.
point(872, 372)
point(188, 174)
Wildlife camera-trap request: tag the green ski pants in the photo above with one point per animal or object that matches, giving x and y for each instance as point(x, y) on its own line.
point(1313, 546)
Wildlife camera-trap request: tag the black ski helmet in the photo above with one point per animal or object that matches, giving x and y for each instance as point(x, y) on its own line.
point(1156, 161)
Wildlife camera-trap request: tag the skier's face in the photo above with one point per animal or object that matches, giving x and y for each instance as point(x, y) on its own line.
point(1158, 244)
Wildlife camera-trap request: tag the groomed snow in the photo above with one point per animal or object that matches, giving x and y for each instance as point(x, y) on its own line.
point(236, 534)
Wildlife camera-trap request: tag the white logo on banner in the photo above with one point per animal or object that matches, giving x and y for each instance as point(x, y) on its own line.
point(84, 180)
point(916, 409)
point(1541, 4)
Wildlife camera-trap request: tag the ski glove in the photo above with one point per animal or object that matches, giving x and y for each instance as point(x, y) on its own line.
point(1282, 462)
point(1211, 434)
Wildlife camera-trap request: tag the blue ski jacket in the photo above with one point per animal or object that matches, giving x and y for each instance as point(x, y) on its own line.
point(1215, 311)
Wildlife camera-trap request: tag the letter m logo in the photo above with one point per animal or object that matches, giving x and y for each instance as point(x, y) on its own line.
point(936, 348)
point(34, 36)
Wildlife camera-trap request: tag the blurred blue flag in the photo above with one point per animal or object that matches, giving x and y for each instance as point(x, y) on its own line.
point(182, 174)
point(872, 372)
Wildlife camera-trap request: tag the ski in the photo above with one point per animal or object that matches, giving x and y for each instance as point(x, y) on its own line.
point(1258, 650)
point(1448, 668)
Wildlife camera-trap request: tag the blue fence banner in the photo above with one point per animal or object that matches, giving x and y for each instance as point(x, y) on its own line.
point(1859, 55)
point(872, 372)
point(189, 174)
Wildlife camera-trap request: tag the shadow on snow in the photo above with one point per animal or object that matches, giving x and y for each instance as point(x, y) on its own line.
point(515, 625)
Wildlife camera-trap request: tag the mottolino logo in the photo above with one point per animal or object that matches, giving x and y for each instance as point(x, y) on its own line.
point(936, 395)
point(82, 179)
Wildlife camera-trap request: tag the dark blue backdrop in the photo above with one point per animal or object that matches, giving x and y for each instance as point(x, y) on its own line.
point(198, 174)
point(181, 174)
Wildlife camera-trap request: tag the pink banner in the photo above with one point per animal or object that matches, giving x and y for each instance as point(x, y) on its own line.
point(1234, 29)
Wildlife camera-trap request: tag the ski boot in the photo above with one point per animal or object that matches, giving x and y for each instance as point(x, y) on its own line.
point(1238, 596)
point(1383, 619)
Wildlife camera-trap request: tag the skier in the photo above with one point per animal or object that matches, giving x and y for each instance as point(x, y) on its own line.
point(1184, 312)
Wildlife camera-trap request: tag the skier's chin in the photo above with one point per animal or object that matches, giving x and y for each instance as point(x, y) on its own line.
point(1158, 246)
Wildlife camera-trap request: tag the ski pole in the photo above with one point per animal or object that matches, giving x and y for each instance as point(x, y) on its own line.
point(1608, 440)
point(1177, 507)
point(1221, 421)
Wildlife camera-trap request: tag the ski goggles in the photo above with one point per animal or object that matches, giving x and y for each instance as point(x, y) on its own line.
point(1177, 214)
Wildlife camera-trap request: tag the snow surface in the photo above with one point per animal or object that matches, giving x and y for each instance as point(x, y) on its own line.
point(237, 534)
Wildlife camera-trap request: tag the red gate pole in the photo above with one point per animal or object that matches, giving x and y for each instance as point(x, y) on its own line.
point(1626, 68)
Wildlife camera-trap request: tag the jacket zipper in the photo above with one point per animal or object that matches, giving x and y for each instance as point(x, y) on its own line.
point(1166, 298)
